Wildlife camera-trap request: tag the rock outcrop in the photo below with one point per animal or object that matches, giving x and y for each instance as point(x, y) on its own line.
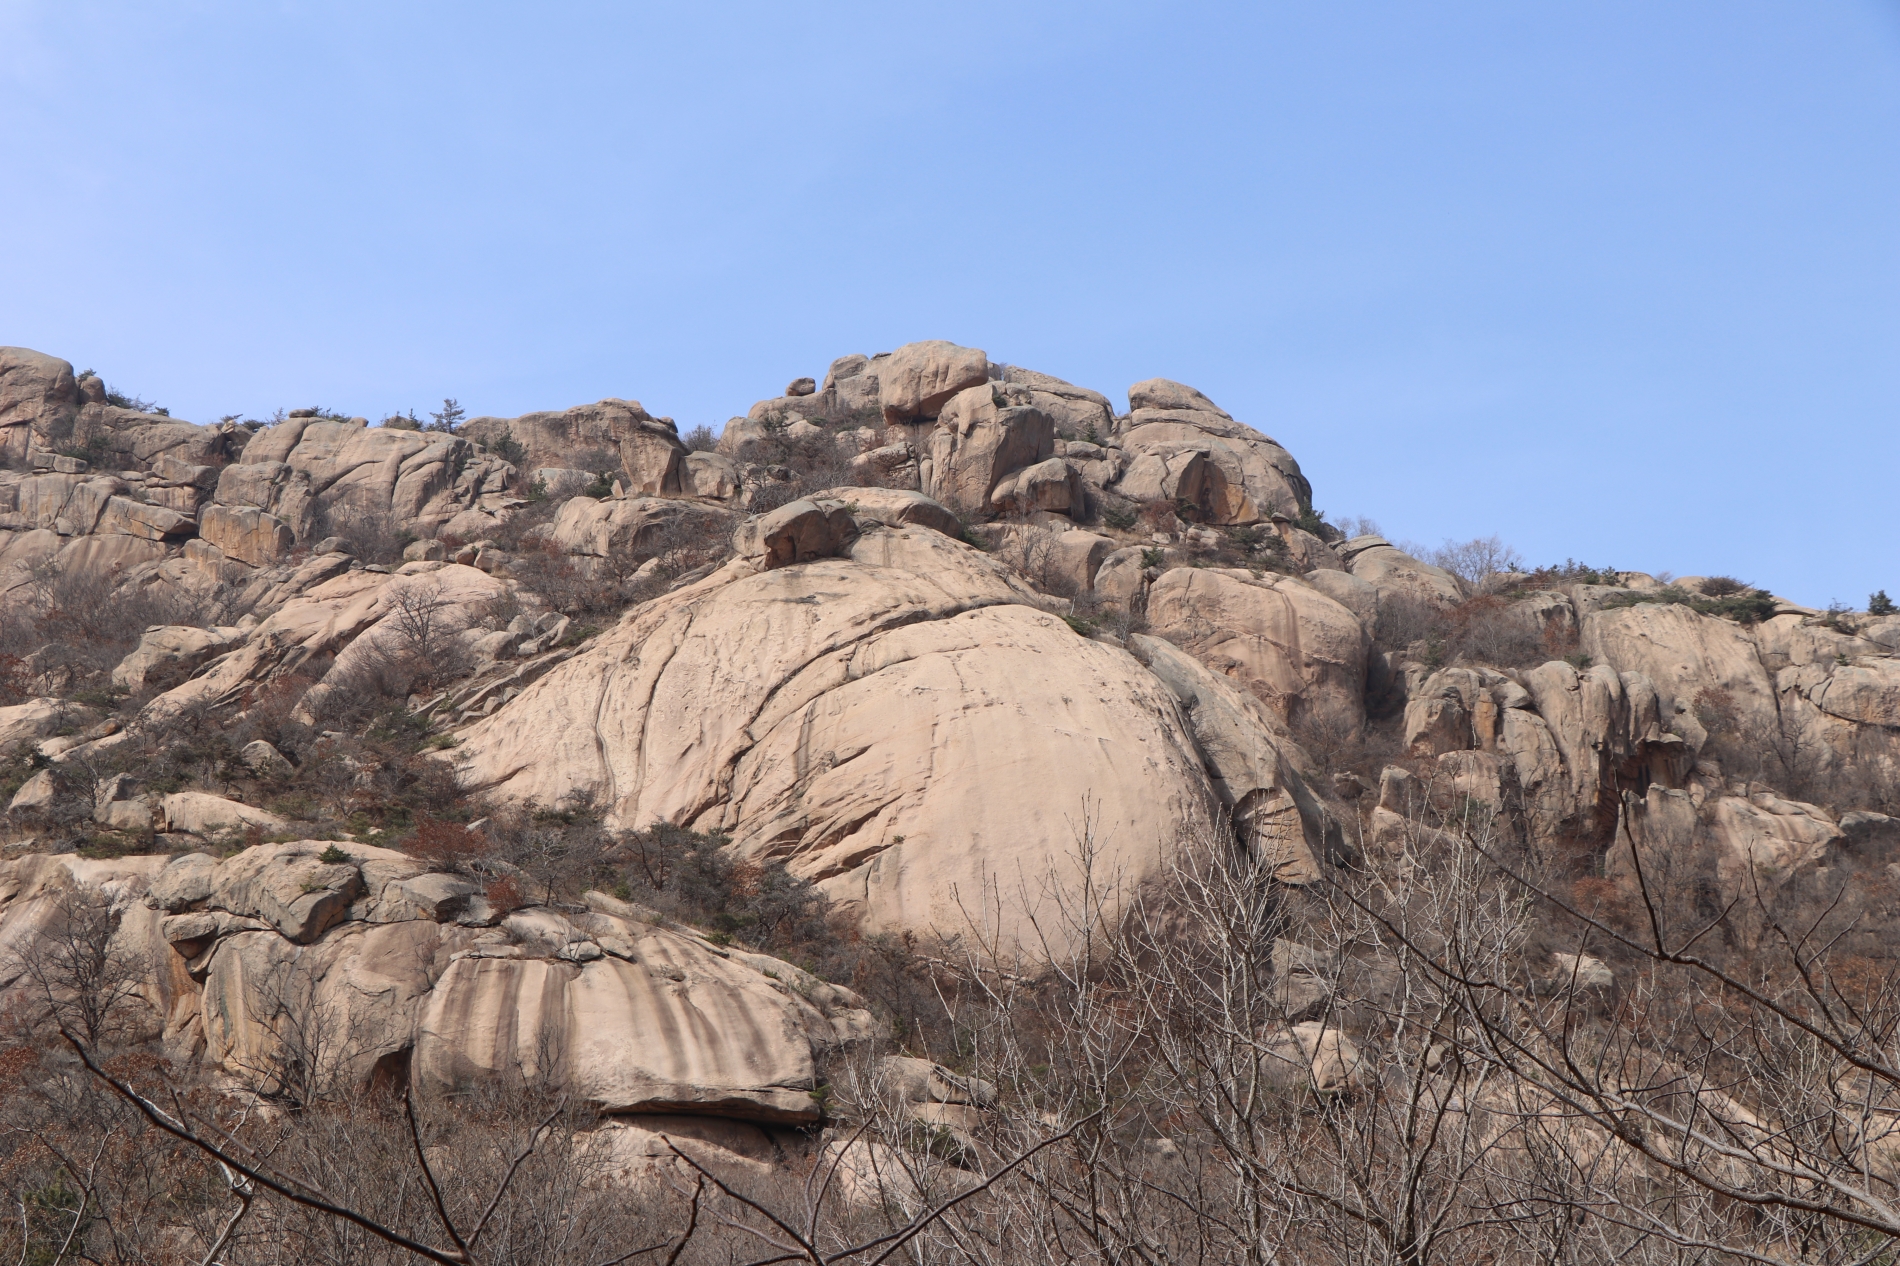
point(281, 966)
point(882, 721)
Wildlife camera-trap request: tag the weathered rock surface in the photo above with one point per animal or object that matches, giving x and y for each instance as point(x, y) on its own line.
point(311, 473)
point(985, 434)
point(38, 398)
point(883, 723)
point(290, 973)
point(919, 379)
point(247, 534)
point(797, 532)
point(167, 655)
point(1278, 637)
point(1391, 571)
point(896, 508)
point(1243, 476)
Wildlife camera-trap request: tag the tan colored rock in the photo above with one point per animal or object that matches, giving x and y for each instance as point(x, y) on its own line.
point(1313, 1056)
point(1076, 411)
point(1249, 477)
point(1259, 774)
point(1174, 473)
point(38, 398)
point(185, 881)
point(321, 620)
point(984, 435)
point(896, 508)
point(34, 719)
point(1164, 393)
point(652, 456)
point(112, 560)
point(637, 1153)
point(1305, 551)
point(913, 1080)
point(711, 475)
point(842, 714)
point(1276, 636)
point(1865, 692)
point(1350, 592)
point(201, 813)
point(1743, 839)
point(287, 887)
point(586, 528)
point(1052, 485)
point(126, 517)
point(677, 1028)
point(276, 1012)
point(1685, 654)
point(170, 653)
point(1452, 712)
point(919, 379)
point(1374, 560)
point(797, 532)
point(304, 468)
point(1119, 579)
point(36, 794)
point(1581, 971)
point(1078, 555)
point(580, 437)
point(456, 593)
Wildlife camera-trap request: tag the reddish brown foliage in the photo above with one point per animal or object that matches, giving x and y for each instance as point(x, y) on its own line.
point(446, 843)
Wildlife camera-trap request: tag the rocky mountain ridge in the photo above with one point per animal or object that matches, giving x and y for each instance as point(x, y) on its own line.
point(916, 641)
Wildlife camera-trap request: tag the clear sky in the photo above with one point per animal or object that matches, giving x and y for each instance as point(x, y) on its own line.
point(1614, 280)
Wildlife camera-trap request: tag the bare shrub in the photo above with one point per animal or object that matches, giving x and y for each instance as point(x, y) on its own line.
point(1484, 629)
point(373, 537)
point(1352, 525)
point(797, 466)
point(82, 976)
point(84, 623)
point(1479, 564)
point(700, 440)
point(447, 845)
point(1032, 550)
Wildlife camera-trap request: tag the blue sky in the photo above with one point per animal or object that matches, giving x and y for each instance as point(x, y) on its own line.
point(1618, 281)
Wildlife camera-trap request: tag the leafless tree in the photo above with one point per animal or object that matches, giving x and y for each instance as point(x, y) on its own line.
point(79, 970)
point(1478, 563)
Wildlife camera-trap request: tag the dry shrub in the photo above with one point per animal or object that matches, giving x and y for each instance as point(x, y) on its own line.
point(504, 894)
point(1482, 630)
point(446, 845)
point(15, 680)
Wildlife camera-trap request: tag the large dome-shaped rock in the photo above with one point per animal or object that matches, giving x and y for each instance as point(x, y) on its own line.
point(1250, 477)
point(1276, 636)
point(901, 726)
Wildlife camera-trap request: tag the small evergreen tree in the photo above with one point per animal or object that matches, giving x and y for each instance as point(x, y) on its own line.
point(1880, 604)
point(449, 418)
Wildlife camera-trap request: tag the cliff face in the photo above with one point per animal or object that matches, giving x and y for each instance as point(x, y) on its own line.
point(917, 643)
